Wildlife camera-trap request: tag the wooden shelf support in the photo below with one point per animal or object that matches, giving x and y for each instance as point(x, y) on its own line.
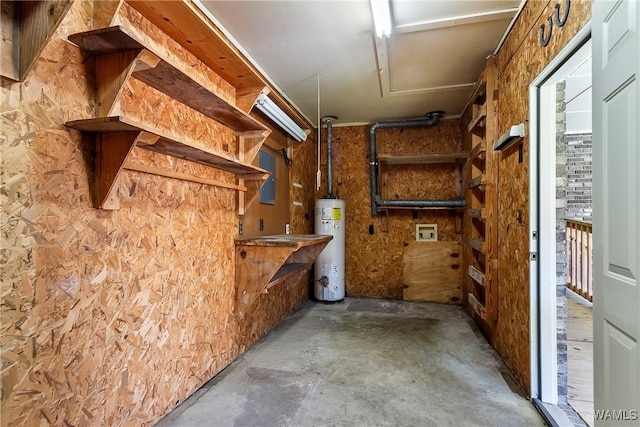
point(27, 26)
point(264, 262)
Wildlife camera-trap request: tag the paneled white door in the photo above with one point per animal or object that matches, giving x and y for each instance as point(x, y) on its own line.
point(616, 211)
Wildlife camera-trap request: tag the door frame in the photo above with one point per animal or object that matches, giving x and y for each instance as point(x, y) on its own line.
point(542, 228)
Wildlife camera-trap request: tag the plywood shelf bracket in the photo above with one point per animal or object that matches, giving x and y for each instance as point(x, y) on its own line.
point(27, 26)
point(264, 262)
point(249, 144)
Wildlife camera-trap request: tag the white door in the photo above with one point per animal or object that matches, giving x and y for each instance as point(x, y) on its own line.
point(616, 211)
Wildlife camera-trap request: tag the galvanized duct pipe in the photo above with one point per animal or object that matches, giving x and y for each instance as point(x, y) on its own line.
point(379, 201)
point(329, 120)
point(431, 119)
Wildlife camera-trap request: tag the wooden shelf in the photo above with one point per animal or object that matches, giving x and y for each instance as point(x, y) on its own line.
point(189, 26)
point(478, 151)
point(149, 67)
point(477, 182)
point(477, 244)
point(116, 137)
point(477, 213)
point(158, 141)
point(421, 159)
point(477, 306)
point(478, 120)
point(264, 262)
point(476, 275)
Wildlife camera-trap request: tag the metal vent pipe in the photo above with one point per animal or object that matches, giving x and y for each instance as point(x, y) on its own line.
point(329, 120)
point(431, 119)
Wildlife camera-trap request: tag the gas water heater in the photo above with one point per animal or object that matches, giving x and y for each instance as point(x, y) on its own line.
point(329, 266)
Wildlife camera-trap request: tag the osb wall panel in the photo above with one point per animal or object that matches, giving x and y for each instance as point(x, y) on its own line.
point(373, 262)
point(520, 60)
point(110, 317)
point(302, 197)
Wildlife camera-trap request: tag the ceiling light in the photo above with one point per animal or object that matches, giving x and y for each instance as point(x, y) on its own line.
point(279, 117)
point(381, 17)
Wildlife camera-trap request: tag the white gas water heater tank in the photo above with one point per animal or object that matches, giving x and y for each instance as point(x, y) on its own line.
point(329, 266)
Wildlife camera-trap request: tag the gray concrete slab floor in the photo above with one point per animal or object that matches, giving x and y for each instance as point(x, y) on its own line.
point(363, 362)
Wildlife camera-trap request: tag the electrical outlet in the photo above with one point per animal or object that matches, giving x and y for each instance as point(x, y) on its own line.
point(426, 232)
point(240, 230)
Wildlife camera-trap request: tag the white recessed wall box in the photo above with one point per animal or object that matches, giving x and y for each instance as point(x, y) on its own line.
point(426, 232)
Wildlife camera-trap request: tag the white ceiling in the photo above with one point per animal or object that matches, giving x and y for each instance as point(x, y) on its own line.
point(436, 51)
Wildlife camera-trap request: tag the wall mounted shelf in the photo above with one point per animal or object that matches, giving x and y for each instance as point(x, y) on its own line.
point(188, 25)
point(389, 160)
point(482, 201)
point(116, 137)
point(121, 56)
point(264, 262)
point(148, 67)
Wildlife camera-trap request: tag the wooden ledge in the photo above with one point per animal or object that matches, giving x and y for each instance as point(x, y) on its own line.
point(264, 262)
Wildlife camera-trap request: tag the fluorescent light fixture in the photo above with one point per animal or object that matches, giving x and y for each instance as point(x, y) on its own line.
point(279, 117)
point(381, 17)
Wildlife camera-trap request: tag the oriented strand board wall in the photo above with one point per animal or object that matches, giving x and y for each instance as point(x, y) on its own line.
point(520, 60)
point(373, 262)
point(432, 272)
point(113, 317)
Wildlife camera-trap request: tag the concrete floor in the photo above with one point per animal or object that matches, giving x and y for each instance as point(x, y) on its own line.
point(363, 363)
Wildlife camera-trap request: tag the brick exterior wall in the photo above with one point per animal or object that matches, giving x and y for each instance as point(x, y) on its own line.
point(578, 169)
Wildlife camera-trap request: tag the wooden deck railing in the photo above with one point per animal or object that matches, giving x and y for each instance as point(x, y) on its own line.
point(579, 257)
